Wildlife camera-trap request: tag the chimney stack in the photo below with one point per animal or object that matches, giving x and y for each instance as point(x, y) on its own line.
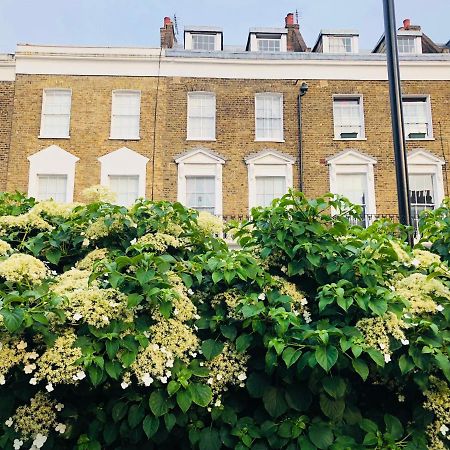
point(407, 24)
point(295, 42)
point(167, 33)
point(289, 19)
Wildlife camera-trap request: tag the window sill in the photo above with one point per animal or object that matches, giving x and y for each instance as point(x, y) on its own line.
point(115, 138)
point(420, 139)
point(202, 139)
point(270, 140)
point(349, 139)
point(53, 137)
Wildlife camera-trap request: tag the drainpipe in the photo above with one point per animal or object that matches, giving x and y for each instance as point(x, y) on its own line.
point(302, 92)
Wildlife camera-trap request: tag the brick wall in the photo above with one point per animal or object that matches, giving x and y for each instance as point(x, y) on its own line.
point(235, 129)
point(6, 109)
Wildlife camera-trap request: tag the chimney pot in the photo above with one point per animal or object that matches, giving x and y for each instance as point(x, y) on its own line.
point(407, 24)
point(167, 20)
point(290, 19)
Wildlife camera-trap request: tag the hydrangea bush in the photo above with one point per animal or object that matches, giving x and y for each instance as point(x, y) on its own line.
point(131, 328)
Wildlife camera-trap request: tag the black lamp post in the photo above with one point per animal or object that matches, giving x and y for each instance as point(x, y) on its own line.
point(302, 92)
point(398, 131)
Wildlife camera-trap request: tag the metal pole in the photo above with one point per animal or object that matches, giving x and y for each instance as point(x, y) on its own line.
point(398, 131)
point(301, 94)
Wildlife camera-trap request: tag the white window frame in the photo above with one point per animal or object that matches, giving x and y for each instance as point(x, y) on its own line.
point(200, 162)
point(417, 42)
point(427, 101)
point(124, 161)
point(42, 132)
point(188, 41)
point(351, 161)
point(421, 162)
point(52, 160)
point(280, 97)
point(113, 134)
point(360, 98)
point(190, 135)
point(326, 43)
point(255, 36)
point(268, 163)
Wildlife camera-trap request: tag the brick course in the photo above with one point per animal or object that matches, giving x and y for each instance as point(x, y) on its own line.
point(6, 109)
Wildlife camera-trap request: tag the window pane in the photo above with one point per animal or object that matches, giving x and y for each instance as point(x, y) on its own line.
point(125, 119)
point(269, 117)
point(348, 120)
point(201, 116)
point(52, 187)
point(269, 188)
point(126, 188)
point(415, 114)
point(406, 44)
point(55, 121)
point(353, 186)
point(340, 44)
point(203, 42)
point(421, 194)
point(269, 45)
point(201, 193)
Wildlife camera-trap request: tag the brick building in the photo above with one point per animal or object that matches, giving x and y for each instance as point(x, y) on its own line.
point(217, 127)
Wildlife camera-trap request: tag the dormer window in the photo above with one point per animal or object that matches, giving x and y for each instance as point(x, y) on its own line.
point(340, 44)
point(406, 44)
point(337, 41)
point(268, 40)
point(206, 39)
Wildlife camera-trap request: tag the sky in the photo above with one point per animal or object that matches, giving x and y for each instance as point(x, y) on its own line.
point(137, 22)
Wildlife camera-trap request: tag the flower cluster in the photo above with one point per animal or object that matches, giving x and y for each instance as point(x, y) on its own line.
point(438, 402)
point(87, 263)
point(23, 222)
point(232, 300)
point(12, 353)
point(183, 308)
point(209, 224)
point(226, 369)
point(424, 259)
point(159, 242)
point(22, 268)
point(97, 307)
point(5, 248)
point(35, 420)
point(58, 363)
point(378, 331)
point(299, 302)
point(103, 227)
point(72, 280)
point(98, 193)
point(421, 293)
point(53, 209)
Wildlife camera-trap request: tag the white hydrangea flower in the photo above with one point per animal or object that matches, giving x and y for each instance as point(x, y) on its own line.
point(2, 379)
point(59, 407)
point(415, 262)
point(387, 357)
point(77, 317)
point(49, 387)
point(33, 381)
point(9, 422)
point(133, 241)
point(147, 379)
point(405, 341)
point(440, 308)
point(39, 440)
point(32, 355)
point(124, 385)
point(61, 428)
point(80, 375)
point(17, 444)
point(242, 377)
point(219, 376)
point(444, 429)
point(401, 398)
point(22, 345)
point(163, 380)
point(261, 296)
point(169, 363)
point(85, 242)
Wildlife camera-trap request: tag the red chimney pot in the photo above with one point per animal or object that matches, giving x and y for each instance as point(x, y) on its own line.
point(407, 24)
point(167, 21)
point(290, 19)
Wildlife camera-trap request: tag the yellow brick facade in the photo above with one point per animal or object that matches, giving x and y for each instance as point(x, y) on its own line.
point(166, 100)
point(6, 110)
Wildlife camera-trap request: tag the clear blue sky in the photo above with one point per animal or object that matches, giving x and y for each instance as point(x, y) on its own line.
point(137, 22)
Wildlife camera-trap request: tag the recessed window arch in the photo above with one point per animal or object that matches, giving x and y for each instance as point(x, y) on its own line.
point(124, 172)
point(352, 175)
point(200, 180)
point(52, 174)
point(269, 176)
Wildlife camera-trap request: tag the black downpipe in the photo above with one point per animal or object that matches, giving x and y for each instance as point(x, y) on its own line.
point(301, 94)
point(398, 131)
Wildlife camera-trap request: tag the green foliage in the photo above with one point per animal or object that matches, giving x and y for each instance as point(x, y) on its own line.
point(279, 345)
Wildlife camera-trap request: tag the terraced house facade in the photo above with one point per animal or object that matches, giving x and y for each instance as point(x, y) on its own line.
point(217, 127)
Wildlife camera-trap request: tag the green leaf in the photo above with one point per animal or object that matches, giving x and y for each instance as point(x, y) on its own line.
point(201, 394)
point(134, 300)
point(150, 426)
point(405, 363)
point(361, 368)
point(444, 364)
point(332, 408)
point(210, 439)
point(12, 319)
point(321, 435)
point(217, 276)
point(135, 415)
point(211, 348)
point(376, 356)
point(334, 386)
point(112, 347)
point(119, 410)
point(243, 342)
point(144, 276)
point(393, 426)
point(184, 400)
point(298, 397)
point(169, 420)
point(158, 403)
point(256, 384)
point(274, 401)
point(127, 358)
point(113, 369)
point(229, 331)
point(326, 356)
point(252, 310)
point(291, 355)
point(379, 306)
point(95, 374)
point(173, 387)
point(53, 255)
